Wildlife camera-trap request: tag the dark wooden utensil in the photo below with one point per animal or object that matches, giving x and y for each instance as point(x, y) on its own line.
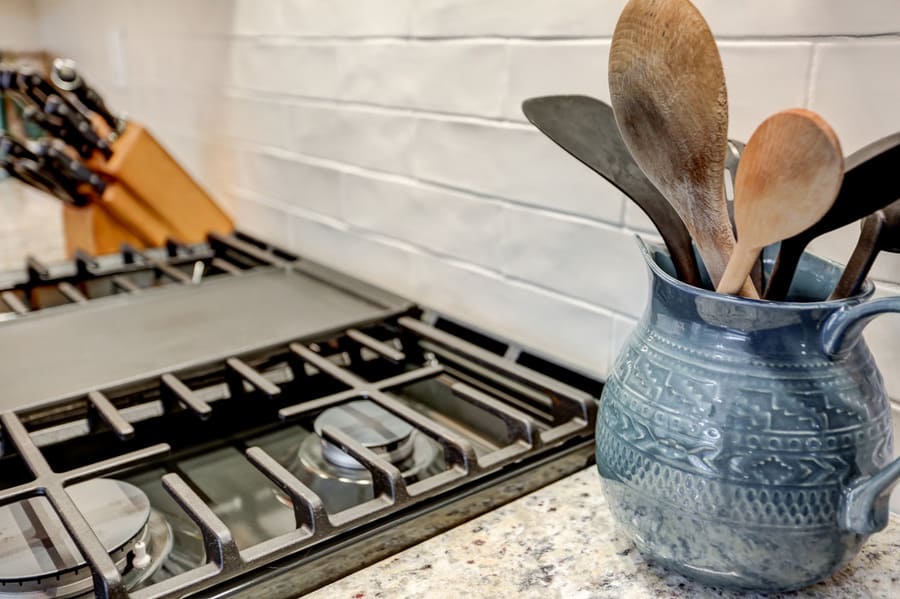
point(871, 237)
point(586, 128)
point(870, 183)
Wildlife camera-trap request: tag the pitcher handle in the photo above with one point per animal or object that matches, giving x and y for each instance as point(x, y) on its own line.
point(844, 328)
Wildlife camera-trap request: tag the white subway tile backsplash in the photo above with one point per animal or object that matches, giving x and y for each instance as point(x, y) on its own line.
point(595, 263)
point(368, 257)
point(261, 218)
point(465, 18)
point(277, 66)
point(257, 120)
point(207, 17)
point(281, 178)
point(571, 332)
point(463, 78)
point(453, 224)
point(510, 161)
point(346, 18)
point(551, 68)
point(359, 136)
point(853, 88)
point(763, 78)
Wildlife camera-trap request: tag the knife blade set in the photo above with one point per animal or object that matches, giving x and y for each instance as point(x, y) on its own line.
point(116, 182)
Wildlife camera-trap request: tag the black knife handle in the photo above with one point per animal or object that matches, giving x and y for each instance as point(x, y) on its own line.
point(56, 106)
point(66, 77)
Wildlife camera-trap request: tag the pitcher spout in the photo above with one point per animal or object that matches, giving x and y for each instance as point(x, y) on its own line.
point(864, 505)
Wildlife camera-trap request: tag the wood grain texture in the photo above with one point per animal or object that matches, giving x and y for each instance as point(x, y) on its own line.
point(668, 93)
point(152, 175)
point(788, 178)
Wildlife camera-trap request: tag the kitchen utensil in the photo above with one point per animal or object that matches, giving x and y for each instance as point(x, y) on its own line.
point(871, 237)
point(670, 102)
point(870, 183)
point(586, 128)
point(30, 173)
point(66, 77)
point(789, 176)
point(748, 444)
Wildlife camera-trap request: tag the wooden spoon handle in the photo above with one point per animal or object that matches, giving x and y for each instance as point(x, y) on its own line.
point(735, 278)
point(867, 248)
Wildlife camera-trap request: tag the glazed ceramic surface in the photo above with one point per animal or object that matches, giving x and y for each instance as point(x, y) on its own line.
point(748, 443)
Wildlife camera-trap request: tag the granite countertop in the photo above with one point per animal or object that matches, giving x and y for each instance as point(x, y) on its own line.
point(559, 542)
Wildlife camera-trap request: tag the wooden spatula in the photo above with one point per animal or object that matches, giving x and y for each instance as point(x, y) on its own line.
point(668, 94)
point(788, 178)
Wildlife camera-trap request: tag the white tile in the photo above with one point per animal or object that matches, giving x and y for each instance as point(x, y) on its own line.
point(257, 120)
point(763, 78)
point(551, 68)
point(462, 78)
point(594, 263)
point(636, 220)
point(297, 69)
point(280, 178)
point(800, 18)
point(367, 257)
point(449, 223)
point(572, 332)
point(882, 335)
point(510, 161)
point(853, 89)
point(346, 18)
point(371, 138)
point(207, 17)
point(566, 18)
point(19, 25)
point(621, 331)
point(264, 220)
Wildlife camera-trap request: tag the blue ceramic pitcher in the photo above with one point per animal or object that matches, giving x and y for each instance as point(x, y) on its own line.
point(747, 443)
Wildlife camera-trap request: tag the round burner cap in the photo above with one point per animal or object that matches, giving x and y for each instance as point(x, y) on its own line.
point(35, 545)
point(369, 424)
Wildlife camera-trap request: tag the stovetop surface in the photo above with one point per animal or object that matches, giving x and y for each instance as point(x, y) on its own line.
point(284, 422)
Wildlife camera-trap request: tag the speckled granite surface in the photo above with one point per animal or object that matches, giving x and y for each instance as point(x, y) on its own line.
point(559, 542)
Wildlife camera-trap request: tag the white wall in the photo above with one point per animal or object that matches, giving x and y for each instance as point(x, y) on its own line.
point(384, 137)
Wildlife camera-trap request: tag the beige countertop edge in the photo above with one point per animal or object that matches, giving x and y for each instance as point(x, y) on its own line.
point(560, 542)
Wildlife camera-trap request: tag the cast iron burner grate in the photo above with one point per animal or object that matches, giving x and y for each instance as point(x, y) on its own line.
point(508, 418)
point(39, 286)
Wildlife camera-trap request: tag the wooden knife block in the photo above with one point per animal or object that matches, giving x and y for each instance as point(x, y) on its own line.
point(92, 229)
point(149, 198)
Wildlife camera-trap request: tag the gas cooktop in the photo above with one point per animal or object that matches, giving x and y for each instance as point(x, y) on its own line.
point(230, 419)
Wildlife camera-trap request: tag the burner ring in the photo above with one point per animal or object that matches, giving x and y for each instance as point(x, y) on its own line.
point(38, 558)
point(374, 427)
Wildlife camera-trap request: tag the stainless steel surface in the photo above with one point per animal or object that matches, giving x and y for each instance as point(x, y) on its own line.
point(229, 446)
point(165, 329)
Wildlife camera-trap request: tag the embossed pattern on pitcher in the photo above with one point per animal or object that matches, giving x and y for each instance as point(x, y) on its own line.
point(724, 452)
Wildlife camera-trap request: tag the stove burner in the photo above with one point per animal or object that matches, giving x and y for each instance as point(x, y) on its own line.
point(371, 425)
point(38, 558)
point(341, 481)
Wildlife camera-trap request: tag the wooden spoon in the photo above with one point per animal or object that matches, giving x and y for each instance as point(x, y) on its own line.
point(870, 183)
point(668, 94)
point(788, 178)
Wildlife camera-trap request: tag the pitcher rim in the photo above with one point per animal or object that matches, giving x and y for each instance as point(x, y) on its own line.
point(646, 248)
